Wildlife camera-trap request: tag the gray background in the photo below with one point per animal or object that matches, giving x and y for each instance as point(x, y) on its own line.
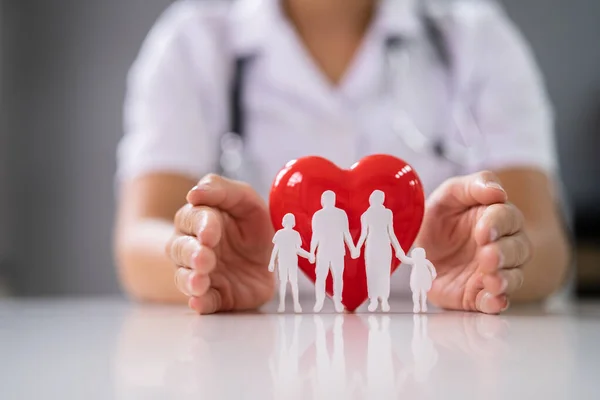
point(63, 68)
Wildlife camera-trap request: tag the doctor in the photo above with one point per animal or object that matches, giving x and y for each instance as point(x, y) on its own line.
point(449, 86)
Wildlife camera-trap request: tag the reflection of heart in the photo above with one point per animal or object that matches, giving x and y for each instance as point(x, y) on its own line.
point(298, 187)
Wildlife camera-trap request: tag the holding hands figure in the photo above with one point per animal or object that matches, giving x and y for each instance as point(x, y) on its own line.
point(330, 236)
point(377, 230)
point(422, 276)
point(287, 247)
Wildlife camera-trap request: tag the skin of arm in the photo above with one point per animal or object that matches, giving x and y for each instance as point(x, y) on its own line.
point(531, 192)
point(144, 225)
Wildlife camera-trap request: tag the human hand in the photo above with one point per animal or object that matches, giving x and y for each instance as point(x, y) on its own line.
point(311, 259)
point(271, 267)
point(221, 246)
point(475, 239)
point(355, 253)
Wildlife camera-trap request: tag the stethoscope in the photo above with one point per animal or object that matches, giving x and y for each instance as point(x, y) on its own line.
point(459, 117)
point(458, 151)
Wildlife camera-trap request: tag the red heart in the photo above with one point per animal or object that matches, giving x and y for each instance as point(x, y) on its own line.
point(298, 187)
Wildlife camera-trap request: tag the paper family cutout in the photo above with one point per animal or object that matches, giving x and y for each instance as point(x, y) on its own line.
point(330, 237)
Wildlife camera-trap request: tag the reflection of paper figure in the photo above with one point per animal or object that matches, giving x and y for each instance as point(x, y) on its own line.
point(424, 352)
point(381, 380)
point(377, 229)
point(421, 277)
point(330, 230)
point(287, 248)
point(328, 379)
point(287, 382)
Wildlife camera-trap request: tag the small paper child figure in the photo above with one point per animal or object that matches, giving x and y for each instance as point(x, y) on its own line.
point(377, 230)
point(288, 246)
point(421, 277)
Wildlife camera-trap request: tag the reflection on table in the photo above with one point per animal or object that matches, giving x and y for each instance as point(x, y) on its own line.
point(308, 356)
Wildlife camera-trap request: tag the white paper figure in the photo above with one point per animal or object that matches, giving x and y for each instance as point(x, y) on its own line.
point(288, 246)
point(377, 229)
point(330, 230)
point(421, 277)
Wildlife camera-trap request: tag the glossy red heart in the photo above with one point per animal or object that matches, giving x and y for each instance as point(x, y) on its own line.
point(298, 187)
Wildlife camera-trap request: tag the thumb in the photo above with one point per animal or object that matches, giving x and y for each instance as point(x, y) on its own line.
point(236, 198)
point(482, 188)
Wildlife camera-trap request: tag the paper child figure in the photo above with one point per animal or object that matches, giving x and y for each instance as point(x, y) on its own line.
point(377, 229)
point(330, 230)
point(288, 246)
point(421, 277)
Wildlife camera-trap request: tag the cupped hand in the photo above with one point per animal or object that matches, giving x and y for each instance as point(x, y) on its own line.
point(474, 237)
point(222, 247)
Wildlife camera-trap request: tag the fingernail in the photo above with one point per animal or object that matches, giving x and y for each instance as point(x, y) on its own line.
point(184, 288)
point(201, 187)
point(493, 234)
point(497, 186)
point(503, 286)
point(195, 257)
point(500, 260)
point(506, 306)
point(521, 283)
point(494, 185)
point(483, 300)
point(203, 223)
point(188, 285)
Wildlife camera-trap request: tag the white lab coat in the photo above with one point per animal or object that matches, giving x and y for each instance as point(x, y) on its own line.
point(176, 104)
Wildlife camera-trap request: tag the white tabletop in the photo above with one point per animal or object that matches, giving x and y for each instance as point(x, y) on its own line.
point(103, 349)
